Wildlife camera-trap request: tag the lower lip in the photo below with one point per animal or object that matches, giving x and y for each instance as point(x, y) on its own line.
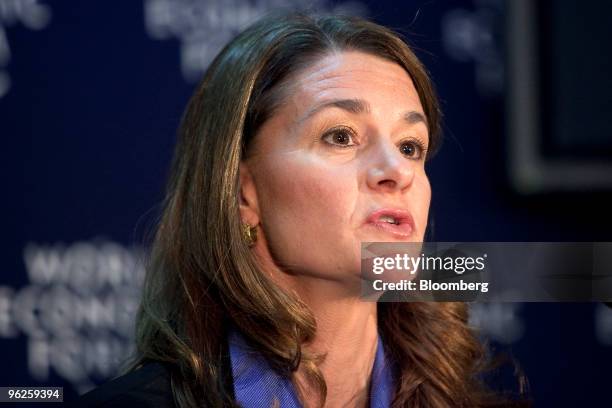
point(402, 230)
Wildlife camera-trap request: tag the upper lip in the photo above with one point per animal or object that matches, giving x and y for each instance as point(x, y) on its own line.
point(401, 216)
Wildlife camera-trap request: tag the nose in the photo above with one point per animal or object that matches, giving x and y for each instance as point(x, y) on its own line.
point(389, 169)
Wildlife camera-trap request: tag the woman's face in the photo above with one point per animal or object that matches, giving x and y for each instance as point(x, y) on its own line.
point(340, 162)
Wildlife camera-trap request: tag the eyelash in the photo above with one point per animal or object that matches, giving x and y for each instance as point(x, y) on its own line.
point(422, 150)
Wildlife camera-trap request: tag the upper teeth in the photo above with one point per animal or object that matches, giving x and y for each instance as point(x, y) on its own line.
point(388, 218)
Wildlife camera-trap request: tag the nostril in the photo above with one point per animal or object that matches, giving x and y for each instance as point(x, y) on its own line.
point(387, 183)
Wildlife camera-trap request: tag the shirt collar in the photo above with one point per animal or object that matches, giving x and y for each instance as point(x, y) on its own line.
point(256, 384)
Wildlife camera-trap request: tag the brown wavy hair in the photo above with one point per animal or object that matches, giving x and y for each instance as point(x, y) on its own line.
point(202, 276)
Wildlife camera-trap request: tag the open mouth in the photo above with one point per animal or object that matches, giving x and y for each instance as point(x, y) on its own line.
point(397, 222)
point(389, 219)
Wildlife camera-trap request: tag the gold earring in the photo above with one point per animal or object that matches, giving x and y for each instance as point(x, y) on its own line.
point(249, 233)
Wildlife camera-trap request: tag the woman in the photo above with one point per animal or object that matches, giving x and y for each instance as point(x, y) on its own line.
point(307, 136)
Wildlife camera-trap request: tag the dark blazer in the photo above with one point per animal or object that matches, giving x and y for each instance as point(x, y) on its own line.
point(147, 387)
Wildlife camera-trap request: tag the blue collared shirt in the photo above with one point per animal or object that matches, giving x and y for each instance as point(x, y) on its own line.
point(256, 384)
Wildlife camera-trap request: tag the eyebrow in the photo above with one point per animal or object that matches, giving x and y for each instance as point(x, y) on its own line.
point(359, 106)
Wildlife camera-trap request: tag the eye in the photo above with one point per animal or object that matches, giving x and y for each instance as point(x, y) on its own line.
point(341, 137)
point(413, 149)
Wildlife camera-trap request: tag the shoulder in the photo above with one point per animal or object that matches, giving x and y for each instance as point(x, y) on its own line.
point(148, 386)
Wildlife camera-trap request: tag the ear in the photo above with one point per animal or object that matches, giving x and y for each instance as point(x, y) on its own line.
point(249, 209)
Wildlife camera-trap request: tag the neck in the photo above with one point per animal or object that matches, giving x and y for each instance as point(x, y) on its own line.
point(346, 334)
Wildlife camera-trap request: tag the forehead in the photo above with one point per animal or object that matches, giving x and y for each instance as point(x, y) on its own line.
point(354, 72)
point(383, 84)
point(340, 68)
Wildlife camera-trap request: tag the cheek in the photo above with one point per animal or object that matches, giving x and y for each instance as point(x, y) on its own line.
point(312, 190)
point(422, 194)
point(305, 205)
